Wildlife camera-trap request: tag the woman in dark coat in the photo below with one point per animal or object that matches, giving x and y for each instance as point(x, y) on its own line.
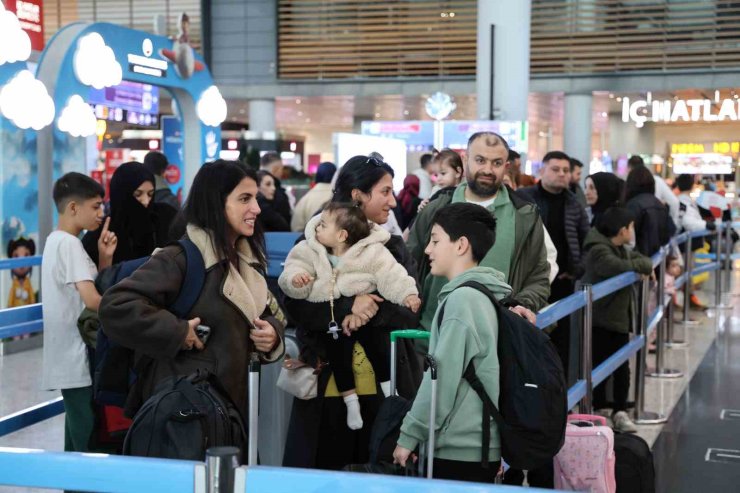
point(270, 218)
point(318, 436)
point(603, 190)
point(221, 211)
point(138, 222)
point(653, 223)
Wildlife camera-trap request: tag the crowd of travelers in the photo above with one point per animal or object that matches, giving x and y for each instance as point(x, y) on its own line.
point(368, 261)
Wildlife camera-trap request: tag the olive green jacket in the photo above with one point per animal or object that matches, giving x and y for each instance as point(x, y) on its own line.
point(528, 272)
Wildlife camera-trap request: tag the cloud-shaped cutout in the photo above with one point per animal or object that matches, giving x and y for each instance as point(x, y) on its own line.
point(25, 101)
point(15, 45)
point(77, 118)
point(95, 63)
point(211, 107)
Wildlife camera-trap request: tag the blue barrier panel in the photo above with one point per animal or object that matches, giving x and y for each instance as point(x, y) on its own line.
point(700, 233)
point(613, 284)
point(22, 329)
point(277, 246)
point(653, 320)
point(681, 280)
point(560, 309)
point(679, 239)
point(94, 472)
point(20, 314)
point(285, 480)
point(616, 360)
point(30, 416)
point(14, 263)
point(576, 393)
point(705, 268)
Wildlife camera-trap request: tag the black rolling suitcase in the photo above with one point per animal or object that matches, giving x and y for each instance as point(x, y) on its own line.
point(634, 470)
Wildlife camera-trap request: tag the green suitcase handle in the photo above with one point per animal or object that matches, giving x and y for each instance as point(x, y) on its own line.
point(409, 334)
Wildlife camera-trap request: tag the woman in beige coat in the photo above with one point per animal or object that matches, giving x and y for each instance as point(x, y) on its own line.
point(221, 210)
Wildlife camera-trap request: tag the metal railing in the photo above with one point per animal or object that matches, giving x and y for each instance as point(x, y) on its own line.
point(35, 468)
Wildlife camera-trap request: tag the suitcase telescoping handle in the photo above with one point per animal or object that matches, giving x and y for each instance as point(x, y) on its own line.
point(432, 415)
point(402, 334)
point(588, 418)
point(254, 406)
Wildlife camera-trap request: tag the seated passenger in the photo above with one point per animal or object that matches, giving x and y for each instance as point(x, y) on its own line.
point(344, 255)
point(607, 257)
point(461, 236)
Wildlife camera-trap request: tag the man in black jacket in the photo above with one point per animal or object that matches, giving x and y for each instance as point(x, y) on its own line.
point(567, 223)
point(272, 163)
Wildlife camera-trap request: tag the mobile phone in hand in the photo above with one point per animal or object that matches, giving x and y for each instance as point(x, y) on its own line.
point(203, 332)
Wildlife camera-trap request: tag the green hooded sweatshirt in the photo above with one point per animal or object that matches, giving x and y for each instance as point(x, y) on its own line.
point(469, 331)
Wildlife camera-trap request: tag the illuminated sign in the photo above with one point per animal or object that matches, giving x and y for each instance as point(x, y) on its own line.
point(31, 18)
point(708, 163)
point(669, 111)
point(714, 147)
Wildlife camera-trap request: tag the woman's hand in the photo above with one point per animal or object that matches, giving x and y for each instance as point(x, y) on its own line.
point(263, 335)
point(351, 323)
point(366, 306)
point(191, 340)
point(401, 456)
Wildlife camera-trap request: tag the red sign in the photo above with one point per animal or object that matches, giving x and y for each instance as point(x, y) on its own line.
point(31, 17)
point(172, 174)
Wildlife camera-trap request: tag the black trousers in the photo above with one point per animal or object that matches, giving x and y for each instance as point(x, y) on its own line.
point(465, 471)
point(561, 336)
point(542, 477)
point(376, 344)
point(606, 343)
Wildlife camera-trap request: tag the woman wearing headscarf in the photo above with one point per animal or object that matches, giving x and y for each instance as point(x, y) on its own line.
point(603, 190)
point(315, 199)
point(133, 216)
point(408, 201)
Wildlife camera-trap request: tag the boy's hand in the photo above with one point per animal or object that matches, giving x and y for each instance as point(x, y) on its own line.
point(524, 313)
point(423, 204)
point(301, 280)
point(412, 302)
point(107, 242)
point(401, 456)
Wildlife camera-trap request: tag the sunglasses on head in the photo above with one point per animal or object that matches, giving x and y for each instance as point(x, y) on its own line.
point(375, 159)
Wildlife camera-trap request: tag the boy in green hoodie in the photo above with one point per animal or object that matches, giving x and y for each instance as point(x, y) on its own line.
point(461, 235)
point(607, 257)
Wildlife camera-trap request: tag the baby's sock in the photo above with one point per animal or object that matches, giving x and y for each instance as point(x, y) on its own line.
point(386, 388)
point(354, 419)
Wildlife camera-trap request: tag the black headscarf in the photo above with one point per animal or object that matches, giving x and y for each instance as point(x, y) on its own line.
point(134, 224)
point(609, 189)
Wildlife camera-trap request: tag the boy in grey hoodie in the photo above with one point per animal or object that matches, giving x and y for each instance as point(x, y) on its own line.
point(462, 234)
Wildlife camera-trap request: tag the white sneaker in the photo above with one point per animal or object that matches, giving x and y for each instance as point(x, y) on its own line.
point(623, 423)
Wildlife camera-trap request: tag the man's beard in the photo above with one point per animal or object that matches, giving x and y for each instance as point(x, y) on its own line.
point(482, 190)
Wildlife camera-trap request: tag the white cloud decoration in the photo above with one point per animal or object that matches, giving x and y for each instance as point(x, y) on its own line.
point(77, 118)
point(25, 101)
point(15, 45)
point(211, 107)
point(95, 63)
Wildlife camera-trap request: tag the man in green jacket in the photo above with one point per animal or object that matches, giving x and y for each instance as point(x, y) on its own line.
point(612, 315)
point(461, 236)
point(519, 252)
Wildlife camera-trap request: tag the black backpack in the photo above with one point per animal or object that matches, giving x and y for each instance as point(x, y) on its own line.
point(184, 417)
point(114, 371)
point(532, 410)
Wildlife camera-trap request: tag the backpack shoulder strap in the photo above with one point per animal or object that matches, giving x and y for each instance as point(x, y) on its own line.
point(195, 276)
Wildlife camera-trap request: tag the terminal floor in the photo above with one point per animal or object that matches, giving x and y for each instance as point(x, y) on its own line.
point(693, 405)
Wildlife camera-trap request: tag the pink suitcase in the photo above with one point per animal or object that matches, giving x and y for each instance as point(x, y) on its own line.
point(586, 461)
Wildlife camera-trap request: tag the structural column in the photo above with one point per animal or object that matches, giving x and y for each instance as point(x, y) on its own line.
point(262, 116)
point(502, 77)
point(577, 126)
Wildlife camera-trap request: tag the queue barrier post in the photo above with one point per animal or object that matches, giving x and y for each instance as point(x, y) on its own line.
point(688, 265)
point(672, 343)
point(586, 404)
point(660, 370)
point(642, 416)
point(718, 305)
point(729, 245)
point(221, 465)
